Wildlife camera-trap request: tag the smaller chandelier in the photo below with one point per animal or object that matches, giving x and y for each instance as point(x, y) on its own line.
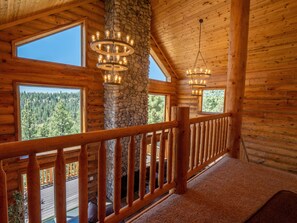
point(113, 50)
point(196, 92)
point(198, 74)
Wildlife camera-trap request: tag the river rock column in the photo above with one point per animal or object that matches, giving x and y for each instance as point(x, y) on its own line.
point(127, 104)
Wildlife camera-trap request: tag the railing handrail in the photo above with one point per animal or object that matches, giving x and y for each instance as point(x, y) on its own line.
point(22, 148)
point(209, 117)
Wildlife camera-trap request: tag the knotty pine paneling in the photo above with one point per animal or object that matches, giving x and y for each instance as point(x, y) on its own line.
point(29, 71)
point(269, 126)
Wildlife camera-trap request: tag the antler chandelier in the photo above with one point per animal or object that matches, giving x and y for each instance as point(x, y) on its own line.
point(198, 74)
point(113, 50)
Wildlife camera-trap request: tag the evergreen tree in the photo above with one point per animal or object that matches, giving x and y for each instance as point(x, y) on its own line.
point(28, 123)
point(156, 108)
point(61, 121)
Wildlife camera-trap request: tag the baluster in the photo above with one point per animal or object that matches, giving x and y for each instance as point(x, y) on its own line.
point(198, 144)
point(83, 184)
point(60, 187)
point(196, 158)
point(142, 168)
point(226, 133)
point(170, 156)
point(203, 142)
point(131, 161)
point(220, 135)
point(33, 181)
point(153, 163)
point(51, 175)
point(101, 182)
point(161, 160)
point(193, 149)
point(117, 176)
point(3, 195)
point(217, 137)
point(223, 134)
point(206, 140)
point(210, 138)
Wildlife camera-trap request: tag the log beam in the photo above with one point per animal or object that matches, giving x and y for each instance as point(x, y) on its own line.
point(237, 60)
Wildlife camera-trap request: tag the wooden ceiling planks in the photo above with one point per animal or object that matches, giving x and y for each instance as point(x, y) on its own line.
point(175, 26)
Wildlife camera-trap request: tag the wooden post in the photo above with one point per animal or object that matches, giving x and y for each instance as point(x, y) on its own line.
point(60, 187)
point(239, 24)
point(101, 182)
point(33, 181)
point(117, 176)
point(182, 149)
point(3, 196)
point(83, 184)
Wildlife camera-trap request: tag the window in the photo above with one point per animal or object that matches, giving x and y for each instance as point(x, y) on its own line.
point(155, 71)
point(156, 108)
point(63, 47)
point(49, 111)
point(213, 100)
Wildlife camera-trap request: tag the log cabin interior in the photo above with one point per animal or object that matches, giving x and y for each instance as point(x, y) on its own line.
point(95, 69)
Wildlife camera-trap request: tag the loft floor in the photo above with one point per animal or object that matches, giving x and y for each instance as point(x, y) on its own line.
point(230, 191)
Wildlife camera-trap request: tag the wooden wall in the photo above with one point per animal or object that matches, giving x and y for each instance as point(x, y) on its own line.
point(14, 70)
point(270, 102)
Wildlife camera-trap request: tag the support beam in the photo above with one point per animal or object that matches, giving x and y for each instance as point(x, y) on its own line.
point(237, 60)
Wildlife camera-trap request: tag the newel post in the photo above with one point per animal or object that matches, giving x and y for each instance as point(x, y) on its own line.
point(237, 60)
point(3, 196)
point(182, 147)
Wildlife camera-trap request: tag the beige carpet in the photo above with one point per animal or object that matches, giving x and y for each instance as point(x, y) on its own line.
point(230, 191)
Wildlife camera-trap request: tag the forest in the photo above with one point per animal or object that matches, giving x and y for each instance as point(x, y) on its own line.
point(49, 114)
point(45, 114)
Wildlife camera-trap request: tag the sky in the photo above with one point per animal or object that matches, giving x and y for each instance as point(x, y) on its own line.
point(31, 89)
point(155, 72)
point(62, 47)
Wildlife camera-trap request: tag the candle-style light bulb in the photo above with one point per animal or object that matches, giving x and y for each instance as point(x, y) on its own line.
point(107, 33)
point(117, 49)
point(98, 35)
point(119, 35)
point(108, 48)
point(128, 38)
point(93, 38)
point(132, 42)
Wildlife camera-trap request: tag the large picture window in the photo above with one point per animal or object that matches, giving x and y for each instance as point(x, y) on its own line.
point(213, 100)
point(63, 46)
point(49, 111)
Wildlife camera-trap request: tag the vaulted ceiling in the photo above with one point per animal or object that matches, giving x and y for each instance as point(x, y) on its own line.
point(175, 28)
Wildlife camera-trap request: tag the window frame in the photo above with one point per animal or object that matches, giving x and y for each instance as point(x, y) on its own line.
point(167, 105)
point(31, 38)
point(161, 66)
point(17, 106)
point(201, 101)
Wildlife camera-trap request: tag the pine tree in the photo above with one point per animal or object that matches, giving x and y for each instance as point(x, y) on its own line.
point(60, 121)
point(28, 123)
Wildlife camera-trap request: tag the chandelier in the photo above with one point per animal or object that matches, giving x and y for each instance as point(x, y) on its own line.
point(198, 74)
point(113, 49)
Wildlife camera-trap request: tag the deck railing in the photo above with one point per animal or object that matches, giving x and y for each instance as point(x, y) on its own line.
point(176, 142)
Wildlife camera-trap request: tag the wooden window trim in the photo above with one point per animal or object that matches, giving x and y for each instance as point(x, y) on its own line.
point(27, 39)
point(200, 112)
point(17, 103)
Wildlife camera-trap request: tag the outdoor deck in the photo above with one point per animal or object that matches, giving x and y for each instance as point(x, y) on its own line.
point(48, 197)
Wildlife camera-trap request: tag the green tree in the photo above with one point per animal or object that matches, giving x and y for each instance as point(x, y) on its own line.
point(213, 101)
point(61, 121)
point(156, 108)
point(28, 121)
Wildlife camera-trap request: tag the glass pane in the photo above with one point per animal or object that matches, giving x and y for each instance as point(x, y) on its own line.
point(63, 47)
point(48, 112)
point(155, 71)
point(213, 101)
point(156, 108)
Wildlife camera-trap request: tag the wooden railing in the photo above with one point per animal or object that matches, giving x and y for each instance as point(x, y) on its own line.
point(208, 140)
point(176, 142)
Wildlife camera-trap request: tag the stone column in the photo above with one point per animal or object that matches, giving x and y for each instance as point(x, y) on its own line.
point(127, 104)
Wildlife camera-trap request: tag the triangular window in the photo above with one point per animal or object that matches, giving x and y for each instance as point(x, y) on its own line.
point(63, 46)
point(155, 71)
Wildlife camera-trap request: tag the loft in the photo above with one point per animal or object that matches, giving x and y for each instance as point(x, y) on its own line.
point(112, 153)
